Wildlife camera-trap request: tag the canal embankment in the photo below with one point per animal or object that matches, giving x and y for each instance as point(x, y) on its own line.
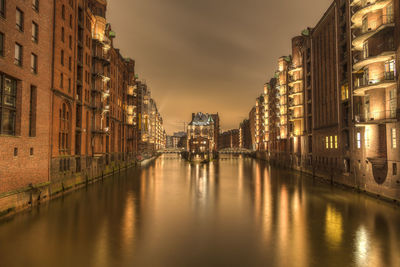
point(388, 191)
point(35, 194)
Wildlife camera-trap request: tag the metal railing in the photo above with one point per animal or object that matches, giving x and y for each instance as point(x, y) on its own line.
point(376, 116)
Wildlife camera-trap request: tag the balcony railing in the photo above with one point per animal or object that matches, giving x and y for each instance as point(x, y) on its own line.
point(362, 34)
point(363, 81)
point(376, 116)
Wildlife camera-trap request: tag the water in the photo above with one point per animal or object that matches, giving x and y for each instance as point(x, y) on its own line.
point(234, 212)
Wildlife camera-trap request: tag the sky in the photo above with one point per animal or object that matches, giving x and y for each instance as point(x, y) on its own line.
point(208, 55)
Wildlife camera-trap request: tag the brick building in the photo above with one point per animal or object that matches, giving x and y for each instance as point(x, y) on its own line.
point(229, 139)
point(338, 98)
point(245, 134)
point(25, 64)
point(69, 100)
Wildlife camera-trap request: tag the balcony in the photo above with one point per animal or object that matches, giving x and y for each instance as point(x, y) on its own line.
point(376, 117)
point(368, 8)
point(293, 92)
point(295, 117)
point(295, 69)
point(102, 57)
point(362, 36)
point(106, 108)
point(362, 84)
point(382, 57)
point(132, 90)
point(294, 105)
point(293, 81)
point(98, 130)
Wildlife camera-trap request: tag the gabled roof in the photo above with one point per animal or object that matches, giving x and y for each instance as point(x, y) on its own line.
point(201, 119)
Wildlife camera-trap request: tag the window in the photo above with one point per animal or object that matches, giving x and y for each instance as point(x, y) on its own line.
point(394, 168)
point(331, 141)
point(345, 92)
point(365, 50)
point(63, 12)
point(35, 32)
point(62, 34)
point(365, 24)
point(18, 54)
point(34, 63)
point(32, 112)
point(336, 142)
point(62, 80)
point(390, 70)
point(35, 5)
point(2, 8)
point(69, 85)
point(8, 105)
point(1, 44)
point(70, 42)
point(394, 138)
point(19, 20)
point(358, 140)
point(62, 57)
point(69, 63)
point(64, 129)
point(70, 21)
point(327, 142)
point(367, 137)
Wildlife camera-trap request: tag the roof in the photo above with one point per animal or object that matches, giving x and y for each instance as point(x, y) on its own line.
point(201, 119)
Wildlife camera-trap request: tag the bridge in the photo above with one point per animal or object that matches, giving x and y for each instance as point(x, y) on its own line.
point(225, 151)
point(171, 150)
point(235, 151)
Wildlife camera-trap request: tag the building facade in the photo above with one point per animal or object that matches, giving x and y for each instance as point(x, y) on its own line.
point(337, 99)
point(72, 107)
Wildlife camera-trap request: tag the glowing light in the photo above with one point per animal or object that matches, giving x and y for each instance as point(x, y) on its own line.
point(333, 227)
point(362, 244)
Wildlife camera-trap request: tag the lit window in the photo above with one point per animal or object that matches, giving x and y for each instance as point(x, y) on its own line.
point(394, 138)
point(367, 137)
point(336, 142)
point(327, 142)
point(365, 50)
point(331, 141)
point(358, 140)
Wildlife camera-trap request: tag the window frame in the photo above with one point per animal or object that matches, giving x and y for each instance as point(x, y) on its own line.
point(10, 108)
point(19, 61)
point(2, 44)
point(3, 8)
point(34, 63)
point(19, 24)
point(35, 5)
point(393, 136)
point(35, 32)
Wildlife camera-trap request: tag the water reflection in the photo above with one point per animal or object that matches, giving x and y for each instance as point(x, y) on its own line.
point(333, 227)
point(236, 211)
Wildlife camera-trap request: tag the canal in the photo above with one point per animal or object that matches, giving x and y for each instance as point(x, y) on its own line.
point(232, 212)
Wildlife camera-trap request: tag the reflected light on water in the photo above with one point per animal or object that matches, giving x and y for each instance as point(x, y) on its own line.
point(128, 222)
point(362, 244)
point(333, 227)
